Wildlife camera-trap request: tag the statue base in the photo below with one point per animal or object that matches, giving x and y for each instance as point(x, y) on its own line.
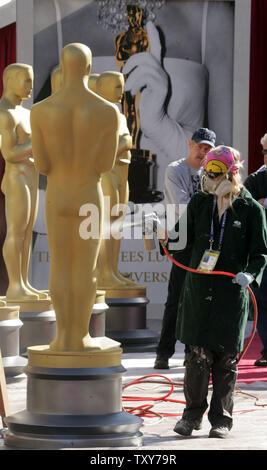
point(10, 324)
point(126, 319)
point(39, 323)
point(74, 401)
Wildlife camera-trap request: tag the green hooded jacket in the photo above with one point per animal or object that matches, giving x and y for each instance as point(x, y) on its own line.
point(212, 310)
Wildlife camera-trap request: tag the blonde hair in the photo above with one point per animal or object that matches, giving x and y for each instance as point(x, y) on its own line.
point(235, 178)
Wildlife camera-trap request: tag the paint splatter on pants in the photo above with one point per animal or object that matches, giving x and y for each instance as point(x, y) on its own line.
point(200, 365)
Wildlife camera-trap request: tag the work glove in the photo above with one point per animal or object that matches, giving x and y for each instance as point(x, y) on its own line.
point(146, 75)
point(243, 279)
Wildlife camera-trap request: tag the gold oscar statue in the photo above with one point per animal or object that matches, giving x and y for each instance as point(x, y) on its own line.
point(97, 326)
point(142, 171)
point(134, 40)
point(75, 139)
point(20, 182)
point(115, 187)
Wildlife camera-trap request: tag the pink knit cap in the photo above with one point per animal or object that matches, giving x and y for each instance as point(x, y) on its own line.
point(221, 159)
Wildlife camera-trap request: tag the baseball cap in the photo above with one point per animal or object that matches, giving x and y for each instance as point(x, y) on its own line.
point(221, 159)
point(204, 136)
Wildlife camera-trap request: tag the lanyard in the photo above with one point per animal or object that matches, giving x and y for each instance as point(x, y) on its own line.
point(211, 240)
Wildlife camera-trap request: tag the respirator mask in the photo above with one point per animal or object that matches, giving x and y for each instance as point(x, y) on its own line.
point(219, 187)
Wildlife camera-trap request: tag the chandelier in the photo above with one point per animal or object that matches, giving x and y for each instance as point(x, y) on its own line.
point(112, 14)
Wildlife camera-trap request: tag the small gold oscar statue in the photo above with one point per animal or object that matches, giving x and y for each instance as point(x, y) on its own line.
point(134, 40)
point(142, 167)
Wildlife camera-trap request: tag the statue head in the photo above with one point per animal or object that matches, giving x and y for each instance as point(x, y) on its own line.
point(110, 86)
point(76, 61)
point(134, 15)
point(18, 79)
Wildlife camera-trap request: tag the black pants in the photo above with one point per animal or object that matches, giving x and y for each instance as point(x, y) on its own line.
point(166, 345)
point(199, 364)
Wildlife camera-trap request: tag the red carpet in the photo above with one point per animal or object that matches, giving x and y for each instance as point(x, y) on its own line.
point(247, 372)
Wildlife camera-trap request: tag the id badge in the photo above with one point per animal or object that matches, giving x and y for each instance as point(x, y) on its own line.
point(208, 261)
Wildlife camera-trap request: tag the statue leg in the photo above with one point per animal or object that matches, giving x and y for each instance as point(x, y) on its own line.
point(17, 204)
point(72, 282)
point(105, 274)
point(26, 254)
point(123, 188)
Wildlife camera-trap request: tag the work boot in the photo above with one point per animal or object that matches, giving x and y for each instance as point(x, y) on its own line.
point(219, 431)
point(262, 361)
point(185, 427)
point(161, 362)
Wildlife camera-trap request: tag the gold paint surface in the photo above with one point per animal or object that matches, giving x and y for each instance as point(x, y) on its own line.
point(126, 293)
point(33, 305)
point(9, 313)
point(42, 356)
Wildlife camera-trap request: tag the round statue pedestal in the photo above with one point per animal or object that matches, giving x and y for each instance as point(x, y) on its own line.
point(74, 401)
point(10, 325)
point(126, 319)
point(39, 323)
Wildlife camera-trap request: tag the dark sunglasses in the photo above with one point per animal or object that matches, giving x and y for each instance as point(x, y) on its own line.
point(212, 175)
point(264, 151)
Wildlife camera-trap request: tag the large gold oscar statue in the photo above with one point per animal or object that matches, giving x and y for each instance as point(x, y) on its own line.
point(20, 182)
point(97, 321)
point(75, 138)
point(115, 187)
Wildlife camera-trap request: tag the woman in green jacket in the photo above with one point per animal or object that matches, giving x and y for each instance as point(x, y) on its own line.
point(226, 228)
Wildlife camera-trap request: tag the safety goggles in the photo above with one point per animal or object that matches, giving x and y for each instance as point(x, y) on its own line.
point(212, 174)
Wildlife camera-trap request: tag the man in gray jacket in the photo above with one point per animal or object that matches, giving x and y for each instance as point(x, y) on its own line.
point(182, 180)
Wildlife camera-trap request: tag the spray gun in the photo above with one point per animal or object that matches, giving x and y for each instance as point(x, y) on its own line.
point(151, 225)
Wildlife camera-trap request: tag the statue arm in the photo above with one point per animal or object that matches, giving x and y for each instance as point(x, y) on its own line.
point(118, 47)
point(125, 143)
point(110, 141)
point(41, 158)
point(11, 150)
point(125, 139)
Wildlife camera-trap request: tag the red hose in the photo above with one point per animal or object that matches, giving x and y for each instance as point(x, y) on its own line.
point(222, 273)
point(145, 410)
